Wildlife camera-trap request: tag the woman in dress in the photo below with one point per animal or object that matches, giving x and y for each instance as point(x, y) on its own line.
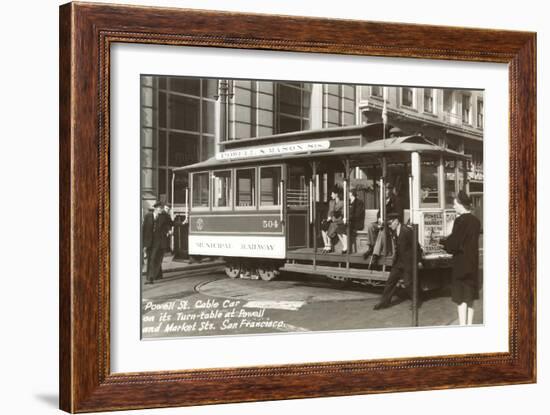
point(335, 221)
point(463, 244)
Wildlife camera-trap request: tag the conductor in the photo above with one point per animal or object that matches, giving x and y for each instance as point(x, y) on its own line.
point(402, 260)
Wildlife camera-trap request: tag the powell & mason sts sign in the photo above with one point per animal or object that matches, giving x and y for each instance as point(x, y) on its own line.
point(274, 150)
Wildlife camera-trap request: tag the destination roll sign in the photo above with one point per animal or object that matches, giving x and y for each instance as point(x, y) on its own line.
point(274, 150)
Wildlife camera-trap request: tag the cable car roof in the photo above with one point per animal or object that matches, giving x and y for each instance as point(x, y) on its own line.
point(376, 148)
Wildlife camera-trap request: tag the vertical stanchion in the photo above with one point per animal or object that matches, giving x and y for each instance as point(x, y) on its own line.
point(186, 211)
point(411, 204)
point(414, 276)
point(172, 187)
point(281, 200)
point(347, 222)
point(315, 185)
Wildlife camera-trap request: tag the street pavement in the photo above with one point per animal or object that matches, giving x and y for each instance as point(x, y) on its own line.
point(211, 304)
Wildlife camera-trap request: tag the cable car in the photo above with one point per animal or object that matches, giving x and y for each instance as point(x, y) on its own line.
point(259, 203)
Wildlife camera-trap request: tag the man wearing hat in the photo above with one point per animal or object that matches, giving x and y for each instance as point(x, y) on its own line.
point(155, 230)
point(402, 260)
point(395, 132)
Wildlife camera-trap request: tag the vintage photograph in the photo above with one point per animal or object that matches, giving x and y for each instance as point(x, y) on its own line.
point(288, 206)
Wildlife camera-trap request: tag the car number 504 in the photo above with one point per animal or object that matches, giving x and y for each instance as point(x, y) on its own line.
point(270, 224)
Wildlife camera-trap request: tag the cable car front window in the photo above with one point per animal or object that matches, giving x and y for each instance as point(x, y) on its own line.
point(429, 183)
point(222, 188)
point(201, 189)
point(296, 193)
point(270, 177)
point(246, 187)
point(460, 175)
point(450, 182)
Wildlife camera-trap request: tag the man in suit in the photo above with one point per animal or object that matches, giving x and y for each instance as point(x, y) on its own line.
point(402, 260)
point(155, 231)
point(356, 214)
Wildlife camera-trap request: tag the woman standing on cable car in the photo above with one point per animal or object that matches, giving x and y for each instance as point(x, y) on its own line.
point(463, 243)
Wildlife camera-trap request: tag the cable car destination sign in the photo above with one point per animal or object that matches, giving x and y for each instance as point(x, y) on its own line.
point(274, 150)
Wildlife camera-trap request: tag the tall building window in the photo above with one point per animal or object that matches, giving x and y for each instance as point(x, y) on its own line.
point(265, 113)
point(243, 113)
point(364, 92)
point(480, 113)
point(407, 97)
point(293, 103)
point(376, 91)
point(338, 105)
point(148, 145)
point(185, 130)
point(466, 109)
point(448, 101)
point(429, 100)
point(348, 114)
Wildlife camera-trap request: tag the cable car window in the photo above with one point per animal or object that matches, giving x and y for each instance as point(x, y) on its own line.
point(397, 176)
point(201, 188)
point(429, 183)
point(460, 175)
point(450, 182)
point(246, 187)
point(296, 192)
point(270, 177)
point(221, 183)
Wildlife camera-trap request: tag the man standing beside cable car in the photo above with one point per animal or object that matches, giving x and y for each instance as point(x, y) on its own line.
point(155, 230)
point(402, 260)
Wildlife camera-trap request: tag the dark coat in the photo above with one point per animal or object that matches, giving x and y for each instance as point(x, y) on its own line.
point(147, 230)
point(396, 205)
point(403, 250)
point(357, 215)
point(155, 232)
point(463, 243)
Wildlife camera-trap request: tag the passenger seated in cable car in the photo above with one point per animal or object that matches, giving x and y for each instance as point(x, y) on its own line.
point(376, 237)
point(333, 225)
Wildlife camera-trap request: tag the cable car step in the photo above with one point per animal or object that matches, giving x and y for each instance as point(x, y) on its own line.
point(306, 254)
point(356, 273)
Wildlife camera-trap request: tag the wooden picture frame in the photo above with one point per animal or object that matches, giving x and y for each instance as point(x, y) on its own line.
point(86, 33)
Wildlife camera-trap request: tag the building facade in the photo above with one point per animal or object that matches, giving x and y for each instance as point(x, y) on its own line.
point(184, 119)
point(452, 118)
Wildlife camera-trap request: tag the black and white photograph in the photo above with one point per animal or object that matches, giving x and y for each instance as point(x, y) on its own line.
point(276, 206)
